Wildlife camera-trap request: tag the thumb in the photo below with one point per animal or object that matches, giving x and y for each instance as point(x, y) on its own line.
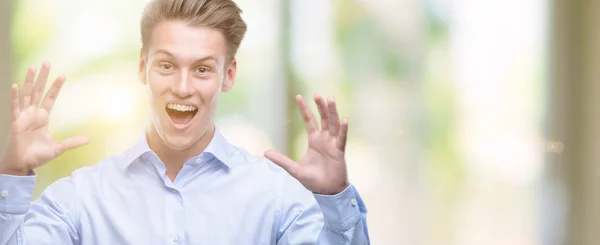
point(70, 143)
point(283, 161)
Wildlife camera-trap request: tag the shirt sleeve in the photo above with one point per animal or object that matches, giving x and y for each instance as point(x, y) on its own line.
point(15, 193)
point(309, 218)
point(48, 220)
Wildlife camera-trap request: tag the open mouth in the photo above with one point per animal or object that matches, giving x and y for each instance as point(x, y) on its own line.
point(181, 115)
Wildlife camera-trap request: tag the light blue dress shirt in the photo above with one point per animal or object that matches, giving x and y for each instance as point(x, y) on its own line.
point(223, 196)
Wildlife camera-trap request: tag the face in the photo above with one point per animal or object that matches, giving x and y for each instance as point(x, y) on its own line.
point(185, 70)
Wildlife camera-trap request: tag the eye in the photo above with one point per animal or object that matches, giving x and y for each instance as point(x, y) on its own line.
point(166, 66)
point(202, 70)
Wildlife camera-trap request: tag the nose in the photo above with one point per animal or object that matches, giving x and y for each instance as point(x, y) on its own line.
point(183, 85)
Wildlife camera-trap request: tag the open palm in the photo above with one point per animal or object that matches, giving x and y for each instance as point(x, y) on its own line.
point(322, 169)
point(30, 144)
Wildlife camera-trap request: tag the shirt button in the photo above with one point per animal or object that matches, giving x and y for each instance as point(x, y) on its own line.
point(175, 238)
point(198, 160)
point(353, 202)
point(4, 193)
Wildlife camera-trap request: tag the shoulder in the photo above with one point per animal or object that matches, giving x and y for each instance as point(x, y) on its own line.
point(266, 171)
point(243, 161)
point(90, 177)
point(107, 166)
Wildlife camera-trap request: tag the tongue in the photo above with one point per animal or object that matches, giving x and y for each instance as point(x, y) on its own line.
point(180, 117)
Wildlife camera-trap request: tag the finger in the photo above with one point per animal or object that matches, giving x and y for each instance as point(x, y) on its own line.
point(70, 143)
point(52, 93)
point(14, 103)
point(334, 118)
point(341, 139)
point(309, 119)
point(27, 88)
point(40, 85)
point(283, 161)
point(322, 106)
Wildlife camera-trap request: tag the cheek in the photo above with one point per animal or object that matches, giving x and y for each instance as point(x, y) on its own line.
point(156, 98)
point(156, 80)
point(157, 84)
point(210, 92)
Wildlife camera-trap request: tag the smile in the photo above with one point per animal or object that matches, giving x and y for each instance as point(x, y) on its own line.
point(181, 115)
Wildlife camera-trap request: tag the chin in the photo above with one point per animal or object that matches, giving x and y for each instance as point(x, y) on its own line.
point(177, 139)
point(178, 143)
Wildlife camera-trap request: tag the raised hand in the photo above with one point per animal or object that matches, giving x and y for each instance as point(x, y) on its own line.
point(323, 169)
point(30, 145)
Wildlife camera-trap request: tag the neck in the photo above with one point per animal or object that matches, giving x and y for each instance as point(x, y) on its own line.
point(174, 159)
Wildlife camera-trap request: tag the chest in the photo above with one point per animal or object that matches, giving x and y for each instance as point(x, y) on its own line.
point(127, 214)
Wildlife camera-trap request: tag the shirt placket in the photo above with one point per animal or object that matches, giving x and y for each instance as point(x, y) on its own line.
point(174, 216)
point(174, 209)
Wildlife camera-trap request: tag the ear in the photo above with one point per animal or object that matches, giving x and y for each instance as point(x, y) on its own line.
point(230, 76)
point(142, 67)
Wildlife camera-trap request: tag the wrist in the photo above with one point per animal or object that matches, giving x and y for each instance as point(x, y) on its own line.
point(334, 191)
point(9, 171)
point(14, 172)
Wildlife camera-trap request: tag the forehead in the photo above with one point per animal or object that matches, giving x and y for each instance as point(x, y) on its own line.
point(187, 42)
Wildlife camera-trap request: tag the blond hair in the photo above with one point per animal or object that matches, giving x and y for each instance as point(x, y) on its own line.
point(223, 15)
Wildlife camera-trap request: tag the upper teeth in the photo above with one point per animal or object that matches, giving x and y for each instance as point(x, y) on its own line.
point(178, 107)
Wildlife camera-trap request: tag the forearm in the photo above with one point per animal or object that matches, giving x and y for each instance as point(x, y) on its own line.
point(15, 200)
point(330, 220)
point(344, 217)
point(355, 235)
point(12, 229)
point(45, 221)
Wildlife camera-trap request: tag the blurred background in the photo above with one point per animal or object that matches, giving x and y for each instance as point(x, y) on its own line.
point(471, 122)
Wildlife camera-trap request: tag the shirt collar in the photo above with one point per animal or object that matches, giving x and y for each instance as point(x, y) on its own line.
point(218, 148)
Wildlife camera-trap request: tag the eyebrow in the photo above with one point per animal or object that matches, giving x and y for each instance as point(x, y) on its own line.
point(207, 58)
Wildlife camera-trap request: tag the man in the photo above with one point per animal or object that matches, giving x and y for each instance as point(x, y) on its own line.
point(182, 183)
